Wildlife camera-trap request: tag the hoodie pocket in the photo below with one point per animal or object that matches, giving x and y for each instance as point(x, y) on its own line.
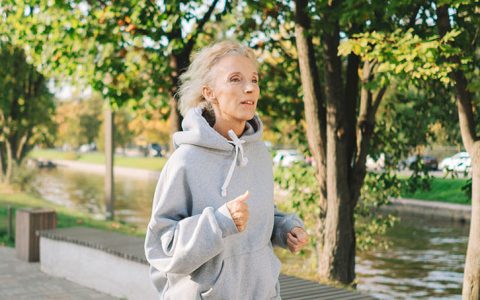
point(212, 292)
point(275, 267)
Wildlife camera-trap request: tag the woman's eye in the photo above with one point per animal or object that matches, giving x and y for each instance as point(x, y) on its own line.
point(255, 80)
point(235, 79)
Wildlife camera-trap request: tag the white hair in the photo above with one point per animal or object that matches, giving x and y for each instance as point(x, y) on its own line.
point(198, 74)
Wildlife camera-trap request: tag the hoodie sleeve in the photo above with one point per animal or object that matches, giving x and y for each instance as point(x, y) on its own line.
point(283, 224)
point(176, 241)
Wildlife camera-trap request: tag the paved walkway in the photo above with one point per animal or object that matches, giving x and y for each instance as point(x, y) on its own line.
point(21, 280)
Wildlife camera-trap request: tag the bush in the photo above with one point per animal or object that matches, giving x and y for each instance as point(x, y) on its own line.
point(23, 177)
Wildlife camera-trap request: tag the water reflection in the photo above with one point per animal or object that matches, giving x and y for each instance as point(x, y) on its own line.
point(425, 260)
point(84, 191)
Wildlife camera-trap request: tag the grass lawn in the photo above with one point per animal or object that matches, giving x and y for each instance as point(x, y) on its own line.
point(444, 190)
point(148, 163)
point(65, 217)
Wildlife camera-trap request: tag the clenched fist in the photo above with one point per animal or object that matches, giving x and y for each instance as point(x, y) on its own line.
point(239, 211)
point(297, 238)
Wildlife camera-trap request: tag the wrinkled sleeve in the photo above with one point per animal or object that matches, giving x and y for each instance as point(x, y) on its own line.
point(283, 224)
point(176, 241)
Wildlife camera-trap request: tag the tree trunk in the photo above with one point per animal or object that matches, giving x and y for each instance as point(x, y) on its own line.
point(314, 111)
point(20, 148)
point(2, 170)
point(179, 63)
point(9, 169)
point(369, 104)
point(338, 259)
point(109, 161)
point(174, 119)
point(471, 281)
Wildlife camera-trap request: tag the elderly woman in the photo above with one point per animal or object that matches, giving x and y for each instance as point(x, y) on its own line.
point(213, 220)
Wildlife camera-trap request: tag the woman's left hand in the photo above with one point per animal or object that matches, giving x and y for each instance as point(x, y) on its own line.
point(297, 238)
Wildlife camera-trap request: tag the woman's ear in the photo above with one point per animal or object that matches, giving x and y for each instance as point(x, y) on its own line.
point(208, 94)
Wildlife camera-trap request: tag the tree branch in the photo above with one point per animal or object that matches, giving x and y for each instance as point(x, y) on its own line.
point(464, 96)
point(315, 113)
point(413, 18)
point(191, 42)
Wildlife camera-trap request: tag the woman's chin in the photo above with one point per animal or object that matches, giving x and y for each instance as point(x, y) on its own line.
point(246, 114)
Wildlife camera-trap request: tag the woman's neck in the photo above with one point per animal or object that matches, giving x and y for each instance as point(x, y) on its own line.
point(222, 126)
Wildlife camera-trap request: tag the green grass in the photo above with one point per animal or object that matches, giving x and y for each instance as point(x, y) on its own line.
point(66, 217)
point(444, 190)
point(148, 163)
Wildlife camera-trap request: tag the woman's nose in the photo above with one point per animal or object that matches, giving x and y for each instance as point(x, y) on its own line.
point(248, 88)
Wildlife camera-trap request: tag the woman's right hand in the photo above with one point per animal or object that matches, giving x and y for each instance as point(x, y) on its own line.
point(239, 211)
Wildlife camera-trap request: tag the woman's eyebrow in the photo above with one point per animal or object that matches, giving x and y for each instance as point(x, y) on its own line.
point(240, 73)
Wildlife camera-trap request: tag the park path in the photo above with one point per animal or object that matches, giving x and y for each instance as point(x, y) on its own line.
point(21, 280)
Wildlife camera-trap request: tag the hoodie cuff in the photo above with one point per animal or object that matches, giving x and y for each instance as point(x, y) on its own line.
point(225, 221)
point(292, 222)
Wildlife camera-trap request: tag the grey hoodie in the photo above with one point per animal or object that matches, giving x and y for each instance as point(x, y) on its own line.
point(192, 244)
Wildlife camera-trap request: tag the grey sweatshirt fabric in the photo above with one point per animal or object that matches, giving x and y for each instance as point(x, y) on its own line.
point(192, 244)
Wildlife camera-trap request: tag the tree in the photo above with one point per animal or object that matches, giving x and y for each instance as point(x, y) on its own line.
point(466, 16)
point(341, 119)
point(122, 49)
point(26, 107)
point(78, 121)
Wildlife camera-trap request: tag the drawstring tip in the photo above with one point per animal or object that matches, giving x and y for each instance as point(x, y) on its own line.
point(244, 162)
point(224, 193)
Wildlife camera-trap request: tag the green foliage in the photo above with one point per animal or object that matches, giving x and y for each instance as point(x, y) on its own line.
point(26, 107)
point(450, 190)
point(23, 178)
point(123, 49)
point(401, 53)
point(303, 195)
point(78, 121)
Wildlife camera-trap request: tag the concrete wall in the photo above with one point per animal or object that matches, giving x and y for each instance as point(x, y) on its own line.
point(96, 269)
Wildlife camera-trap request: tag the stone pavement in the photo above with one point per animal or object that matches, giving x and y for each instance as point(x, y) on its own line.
point(22, 280)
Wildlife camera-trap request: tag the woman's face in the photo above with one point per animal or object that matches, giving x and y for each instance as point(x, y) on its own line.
point(234, 91)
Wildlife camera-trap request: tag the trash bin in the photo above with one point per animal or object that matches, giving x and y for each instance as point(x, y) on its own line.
point(28, 221)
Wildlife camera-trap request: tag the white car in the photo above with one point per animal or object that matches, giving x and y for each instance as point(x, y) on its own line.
point(459, 162)
point(286, 158)
point(375, 165)
point(464, 166)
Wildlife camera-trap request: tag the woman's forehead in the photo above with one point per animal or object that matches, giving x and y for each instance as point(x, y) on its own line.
point(236, 63)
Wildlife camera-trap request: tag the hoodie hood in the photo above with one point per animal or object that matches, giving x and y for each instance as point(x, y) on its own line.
point(197, 131)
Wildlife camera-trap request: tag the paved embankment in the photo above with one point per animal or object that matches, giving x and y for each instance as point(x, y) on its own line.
point(431, 209)
point(100, 169)
point(22, 280)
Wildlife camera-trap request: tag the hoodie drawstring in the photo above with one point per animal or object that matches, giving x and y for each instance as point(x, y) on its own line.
point(243, 162)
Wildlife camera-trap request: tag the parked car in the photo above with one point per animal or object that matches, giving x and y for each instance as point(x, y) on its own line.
point(465, 166)
point(286, 158)
point(430, 162)
point(375, 165)
point(154, 150)
point(452, 163)
point(87, 148)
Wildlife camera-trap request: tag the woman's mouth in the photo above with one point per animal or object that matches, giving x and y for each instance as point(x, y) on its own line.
point(248, 102)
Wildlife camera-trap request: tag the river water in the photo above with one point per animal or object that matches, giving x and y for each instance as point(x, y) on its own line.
point(425, 258)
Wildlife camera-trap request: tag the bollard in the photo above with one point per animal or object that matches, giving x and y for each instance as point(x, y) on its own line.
point(28, 221)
